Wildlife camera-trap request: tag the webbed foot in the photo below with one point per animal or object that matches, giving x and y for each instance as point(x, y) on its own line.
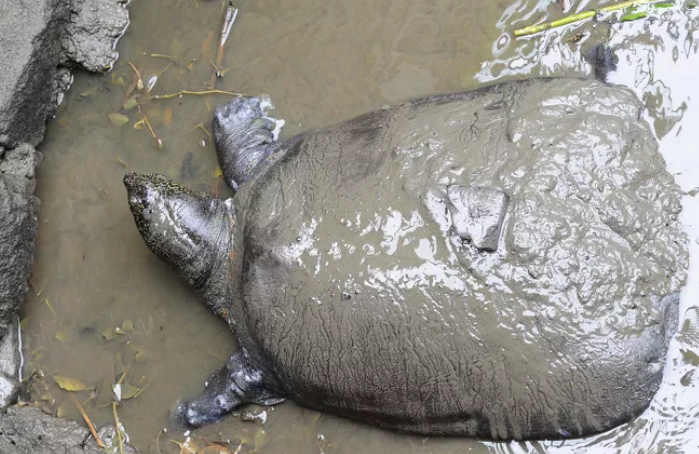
point(244, 137)
point(236, 384)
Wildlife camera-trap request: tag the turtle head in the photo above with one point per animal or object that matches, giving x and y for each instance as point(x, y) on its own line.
point(182, 227)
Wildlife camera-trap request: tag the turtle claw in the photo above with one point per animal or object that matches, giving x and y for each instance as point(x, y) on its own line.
point(243, 135)
point(237, 383)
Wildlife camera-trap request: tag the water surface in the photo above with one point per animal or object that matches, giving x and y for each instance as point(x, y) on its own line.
point(320, 62)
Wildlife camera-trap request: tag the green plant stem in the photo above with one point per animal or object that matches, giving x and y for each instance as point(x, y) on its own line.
point(579, 17)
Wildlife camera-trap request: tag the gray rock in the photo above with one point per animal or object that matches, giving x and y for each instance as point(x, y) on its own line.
point(39, 41)
point(94, 28)
point(477, 214)
point(9, 365)
point(28, 430)
point(30, 50)
point(19, 209)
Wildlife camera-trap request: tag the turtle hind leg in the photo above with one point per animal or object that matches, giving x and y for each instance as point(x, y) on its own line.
point(244, 137)
point(236, 384)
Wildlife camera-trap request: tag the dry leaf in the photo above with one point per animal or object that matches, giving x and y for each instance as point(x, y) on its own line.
point(69, 384)
point(127, 326)
point(188, 447)
point(108, 333)
point(62, 336)
point(119, 367)
point(130, 103)
point(215, 449)
point(118, 119)
point(125, 391)
point(117, 79)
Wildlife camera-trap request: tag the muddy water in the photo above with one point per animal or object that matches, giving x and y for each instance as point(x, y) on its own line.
point(320, 62)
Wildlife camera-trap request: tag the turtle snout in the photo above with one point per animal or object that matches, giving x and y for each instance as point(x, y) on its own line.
point(196, 414)
point(136, 187)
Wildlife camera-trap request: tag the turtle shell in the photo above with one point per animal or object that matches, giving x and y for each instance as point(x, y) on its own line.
point(355, 289)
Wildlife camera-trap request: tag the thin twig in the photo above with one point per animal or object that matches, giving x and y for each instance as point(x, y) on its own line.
point(118, 428)
point(218, 71)
point(229, 18)
point(203, 128)
point(194, 93)
point(139, 84)
point(88, 422)
point(168, 57)
point(532, 29)
point(135, 81)
point(157, 441)
point(158, 141)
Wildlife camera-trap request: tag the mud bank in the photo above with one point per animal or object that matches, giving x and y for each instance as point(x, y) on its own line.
point(41, 41)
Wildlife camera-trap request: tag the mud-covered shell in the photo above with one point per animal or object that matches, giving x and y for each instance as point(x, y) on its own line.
point(353, 290)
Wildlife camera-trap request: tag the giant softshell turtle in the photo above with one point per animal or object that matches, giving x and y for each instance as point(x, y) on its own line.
point(502, 263)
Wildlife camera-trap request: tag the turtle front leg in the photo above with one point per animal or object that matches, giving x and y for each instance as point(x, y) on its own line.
point(244, 137)
point(236, 384)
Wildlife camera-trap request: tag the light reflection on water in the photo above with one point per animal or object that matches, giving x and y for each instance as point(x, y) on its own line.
point(657, 59)
point(320, 62)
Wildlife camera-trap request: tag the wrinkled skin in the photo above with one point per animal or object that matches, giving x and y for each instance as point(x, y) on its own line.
point(502, 263)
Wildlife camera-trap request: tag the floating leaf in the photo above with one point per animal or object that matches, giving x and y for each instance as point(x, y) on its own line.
point(663, 5)
point(633, 16)
point(129, 391)
point(218, 173)
point(130, 103)
point(118, 79)
point(69, 384)
point(125, 391)
point(119, 367)
point(118, 119)
point(141, 356)
point(127, 326)
point(87, 93)
point(215, 448)
point(62, 336)
point(120, 331)
point(108, 334)
point(188, 447)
